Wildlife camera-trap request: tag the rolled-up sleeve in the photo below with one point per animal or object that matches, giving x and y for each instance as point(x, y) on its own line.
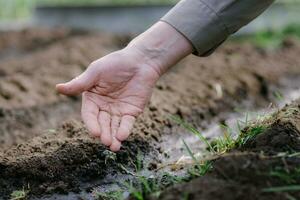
point(207, 23)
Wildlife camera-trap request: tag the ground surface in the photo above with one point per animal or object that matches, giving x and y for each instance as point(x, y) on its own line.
point(265, 161)
point(44, 145)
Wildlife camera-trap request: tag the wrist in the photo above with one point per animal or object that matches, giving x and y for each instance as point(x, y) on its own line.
point(162, 46)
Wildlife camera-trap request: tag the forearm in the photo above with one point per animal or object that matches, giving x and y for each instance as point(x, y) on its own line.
point(162, 45)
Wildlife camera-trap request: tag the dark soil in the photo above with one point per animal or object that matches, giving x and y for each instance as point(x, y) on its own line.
point(59, 161)
point(37, 149)
point(244, 174)
point(282, 135)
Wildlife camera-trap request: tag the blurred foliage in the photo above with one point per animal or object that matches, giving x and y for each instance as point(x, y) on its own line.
point(271, 39)
point(16, 9)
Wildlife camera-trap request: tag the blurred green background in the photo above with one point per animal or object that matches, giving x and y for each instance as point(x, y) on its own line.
point(22, 9)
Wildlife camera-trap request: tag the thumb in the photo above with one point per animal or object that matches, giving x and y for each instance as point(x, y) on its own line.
point(77, 85)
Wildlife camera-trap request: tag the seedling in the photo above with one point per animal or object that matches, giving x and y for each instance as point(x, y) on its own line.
point(249, 133)
point(223, 144)
point(288, 188)
point(278, 95)
point(109, 156)
point(19, 194)
point(113, 195)
point(193, 130)
point(287, 176)
point(200, 168)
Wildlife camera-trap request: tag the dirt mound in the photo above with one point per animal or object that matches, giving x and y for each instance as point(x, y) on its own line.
point(238, 177)
point(283, 135)
point(253, 174)
point(60, 160)
point(19, 124)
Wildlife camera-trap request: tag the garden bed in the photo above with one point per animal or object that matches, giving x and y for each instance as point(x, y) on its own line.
point(45, 149)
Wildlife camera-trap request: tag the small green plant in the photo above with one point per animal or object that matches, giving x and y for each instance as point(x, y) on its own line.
point(109, 156)
point(193, 130)
point(286, 188)
point(247, 130)
point(19, 194)
point(112, 195)
point(144, 186)
point(286, 176)
point(223, 144)
point(201, 167)
point(278, 95)
point(271, 39)
point(249, 133)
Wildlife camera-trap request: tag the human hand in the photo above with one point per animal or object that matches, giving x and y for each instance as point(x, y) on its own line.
point(115, 90)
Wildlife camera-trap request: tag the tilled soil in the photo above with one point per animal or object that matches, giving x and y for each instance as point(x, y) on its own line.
point(62, 155)
point(247, 173)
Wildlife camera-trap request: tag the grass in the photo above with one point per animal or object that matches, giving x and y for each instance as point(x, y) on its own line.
point(113, 195)
point(227, 142)
point(271, 39)
point(286, 176)
point(290, 177)
point(248, 134)
point(223, 144)
point(142, 186)
point(193, 130)
point(201, 167)
point(288, 188)
point(19, 194)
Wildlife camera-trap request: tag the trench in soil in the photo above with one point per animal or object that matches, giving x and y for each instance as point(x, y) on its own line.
point(23, 119)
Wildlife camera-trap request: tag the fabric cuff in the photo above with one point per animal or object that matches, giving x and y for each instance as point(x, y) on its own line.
point(199, 23)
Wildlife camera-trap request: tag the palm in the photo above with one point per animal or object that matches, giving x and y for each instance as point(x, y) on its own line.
point(115, 91)
point(118, 100)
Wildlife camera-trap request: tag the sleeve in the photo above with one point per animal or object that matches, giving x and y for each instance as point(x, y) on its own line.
point(208, 23)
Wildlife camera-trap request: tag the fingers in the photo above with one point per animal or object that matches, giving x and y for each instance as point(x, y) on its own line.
point(115, 122)
point(89, 114)
point(125, 127)
point(112, 130)
point(104, 121)
point(79, 84)
point(116, 145)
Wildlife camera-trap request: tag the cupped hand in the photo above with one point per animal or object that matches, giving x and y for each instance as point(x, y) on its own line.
point(115, 90)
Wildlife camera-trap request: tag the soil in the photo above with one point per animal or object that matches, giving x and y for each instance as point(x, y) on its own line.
point(43, 142)
point(244, 173)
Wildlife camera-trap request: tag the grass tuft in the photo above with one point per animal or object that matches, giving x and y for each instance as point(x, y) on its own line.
point(19, 194)
point(288, 188)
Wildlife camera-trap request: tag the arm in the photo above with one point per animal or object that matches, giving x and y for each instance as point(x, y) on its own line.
point(116, 88)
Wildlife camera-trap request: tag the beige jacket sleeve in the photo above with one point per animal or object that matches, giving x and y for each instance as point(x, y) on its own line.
point(207, 23)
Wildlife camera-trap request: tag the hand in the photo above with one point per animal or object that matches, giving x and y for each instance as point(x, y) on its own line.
point(115, 90)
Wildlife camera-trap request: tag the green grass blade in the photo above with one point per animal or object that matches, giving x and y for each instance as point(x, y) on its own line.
point(192, 130)
point(282, 188)
point(190, 151)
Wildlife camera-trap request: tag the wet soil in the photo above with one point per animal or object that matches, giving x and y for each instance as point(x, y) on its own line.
point(265, 161)
point(41, 147)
